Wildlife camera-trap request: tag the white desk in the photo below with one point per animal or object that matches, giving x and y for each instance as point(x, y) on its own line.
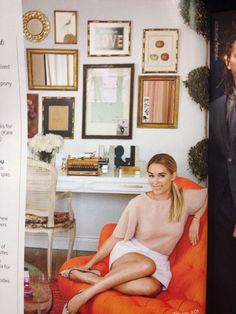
point(98, 200)
point(105, 183)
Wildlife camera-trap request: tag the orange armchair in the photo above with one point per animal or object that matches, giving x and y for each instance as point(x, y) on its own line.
point(187, 289)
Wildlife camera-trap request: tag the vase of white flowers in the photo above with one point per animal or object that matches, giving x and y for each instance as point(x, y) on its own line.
point(45, 147)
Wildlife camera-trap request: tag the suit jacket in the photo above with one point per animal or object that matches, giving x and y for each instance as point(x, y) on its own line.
point(222, 152)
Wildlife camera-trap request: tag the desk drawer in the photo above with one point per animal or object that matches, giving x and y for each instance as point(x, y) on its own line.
point(71, 186)
point(117, 187)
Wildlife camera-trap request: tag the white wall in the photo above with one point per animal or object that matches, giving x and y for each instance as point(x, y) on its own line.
point(143, 14)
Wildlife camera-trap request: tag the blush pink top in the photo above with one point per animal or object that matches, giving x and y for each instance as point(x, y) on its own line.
point(147, 220)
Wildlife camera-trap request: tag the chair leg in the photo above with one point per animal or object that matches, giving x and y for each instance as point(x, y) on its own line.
point(49, 254)
point(72, 233)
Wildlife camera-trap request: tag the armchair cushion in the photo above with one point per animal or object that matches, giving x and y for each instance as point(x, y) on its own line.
point(60, 219)
point(187, 289)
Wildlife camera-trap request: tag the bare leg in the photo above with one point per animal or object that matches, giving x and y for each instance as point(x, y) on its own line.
point(127, 268)
point(147, 286)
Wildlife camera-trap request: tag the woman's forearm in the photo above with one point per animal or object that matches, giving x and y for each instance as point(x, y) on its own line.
point(103, 251)
point(201, 211)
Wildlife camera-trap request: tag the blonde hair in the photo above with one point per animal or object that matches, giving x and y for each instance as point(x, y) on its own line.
point(176, 193)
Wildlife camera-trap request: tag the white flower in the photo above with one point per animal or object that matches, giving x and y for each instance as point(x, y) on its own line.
point(48, 143)
point(55, 141)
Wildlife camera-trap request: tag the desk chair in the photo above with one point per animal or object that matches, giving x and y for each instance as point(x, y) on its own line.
point(41, 215)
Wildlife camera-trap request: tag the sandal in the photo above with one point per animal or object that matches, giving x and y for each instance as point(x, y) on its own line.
point(65, 307)
point(67, 272)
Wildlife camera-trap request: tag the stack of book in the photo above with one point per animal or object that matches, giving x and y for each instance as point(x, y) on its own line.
point(83, 166)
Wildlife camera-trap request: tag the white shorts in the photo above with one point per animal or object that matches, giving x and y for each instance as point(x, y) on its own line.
point(162, 273)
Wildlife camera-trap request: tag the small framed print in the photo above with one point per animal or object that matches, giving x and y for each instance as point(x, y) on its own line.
point(65, 27)
point(109, 38)
point(33, 114)
point(160, 50)
point(58, 116)
point(108, 101)
point(158, 101)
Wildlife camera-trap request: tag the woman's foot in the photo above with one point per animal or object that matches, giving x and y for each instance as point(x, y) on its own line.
point(75, 303)
point(86, 277)
point(82, 275)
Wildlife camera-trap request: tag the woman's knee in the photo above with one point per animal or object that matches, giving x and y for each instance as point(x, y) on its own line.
point(152, 287)
point(147, 286)
point(148, 266)
point(145, 265)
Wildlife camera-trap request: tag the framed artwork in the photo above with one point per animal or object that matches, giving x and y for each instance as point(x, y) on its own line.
point(160, 50)
point(58, 116)
point(33, 114)
point(52, 69)
point(65, 27)
point(107, 101)
point(36, 26)
point(109, 38)
point(158, 101)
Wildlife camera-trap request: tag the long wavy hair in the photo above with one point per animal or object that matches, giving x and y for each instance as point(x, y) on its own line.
point(176, 193)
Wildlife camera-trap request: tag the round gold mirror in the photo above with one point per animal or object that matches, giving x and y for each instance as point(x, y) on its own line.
point(36, 26)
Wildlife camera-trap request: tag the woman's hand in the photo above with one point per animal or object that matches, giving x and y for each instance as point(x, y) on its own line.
point(194, 230)
point(102, 252)
point(84, 267)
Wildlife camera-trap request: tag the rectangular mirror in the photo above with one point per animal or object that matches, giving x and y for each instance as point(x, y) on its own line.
point(158, 101)
point(107, 101)
point(52, 69)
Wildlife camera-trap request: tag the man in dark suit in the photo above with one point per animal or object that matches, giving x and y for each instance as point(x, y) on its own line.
point(221, 294)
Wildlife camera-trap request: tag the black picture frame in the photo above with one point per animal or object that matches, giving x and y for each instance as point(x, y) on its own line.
point(58, 116)
point(107, 101)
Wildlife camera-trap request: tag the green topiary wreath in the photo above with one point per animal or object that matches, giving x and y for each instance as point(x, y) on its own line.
point(198, 159)
point(194, 13)
point(198, 86)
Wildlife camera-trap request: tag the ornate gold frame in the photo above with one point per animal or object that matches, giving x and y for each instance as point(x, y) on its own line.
point(30, 52)
point(153, 99)
point(41, 17)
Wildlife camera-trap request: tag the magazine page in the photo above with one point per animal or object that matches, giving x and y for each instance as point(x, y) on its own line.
point(12, 157)
point(110, 84)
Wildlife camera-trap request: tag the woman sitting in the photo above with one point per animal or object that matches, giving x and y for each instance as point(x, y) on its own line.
point(146, 234)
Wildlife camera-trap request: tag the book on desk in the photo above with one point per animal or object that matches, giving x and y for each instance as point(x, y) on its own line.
point(83, 166)
point(91, 166)
point(129, 171)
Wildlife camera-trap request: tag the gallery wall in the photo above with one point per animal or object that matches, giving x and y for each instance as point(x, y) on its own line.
point(142, 14)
